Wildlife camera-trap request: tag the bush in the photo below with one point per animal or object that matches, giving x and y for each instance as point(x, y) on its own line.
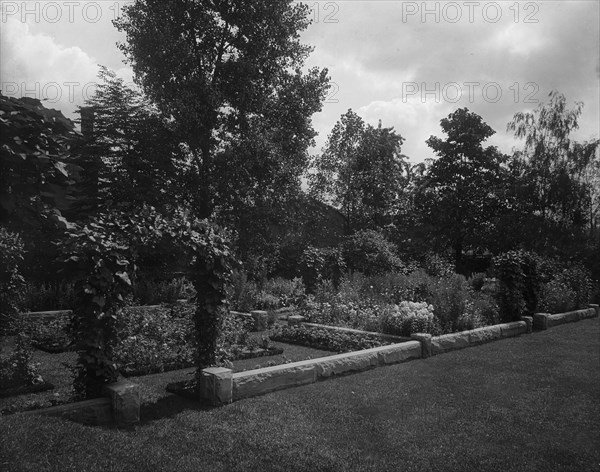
point(520, 283)
point(407, 318)
point(556, 297)
point(48, 296)
point(369, 252)
point(246, 295)
point(319, 264)
point(167, 291)
point(51, 335)
point(17, 369)
point(11, 281)
point(451, 298)
point(477, 281)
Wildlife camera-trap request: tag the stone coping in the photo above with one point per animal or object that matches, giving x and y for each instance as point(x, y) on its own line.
point(544, 321)
point(120, 406)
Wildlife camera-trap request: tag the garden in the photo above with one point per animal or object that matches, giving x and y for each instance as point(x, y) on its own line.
point(166, 231)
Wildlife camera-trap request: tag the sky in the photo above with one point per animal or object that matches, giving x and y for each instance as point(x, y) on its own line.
point(408, 64)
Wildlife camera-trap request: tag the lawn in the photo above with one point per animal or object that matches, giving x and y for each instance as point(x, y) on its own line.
point(520, 404)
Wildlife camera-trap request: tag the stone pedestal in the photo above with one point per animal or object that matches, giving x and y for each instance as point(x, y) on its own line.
point(216, 385)
point(425, 340)
point(125, 399)
point(540, 320)
point(260, 319)
point(529, 321)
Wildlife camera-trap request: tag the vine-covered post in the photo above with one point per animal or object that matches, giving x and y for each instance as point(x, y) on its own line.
point(97, 261)
point(211, 270)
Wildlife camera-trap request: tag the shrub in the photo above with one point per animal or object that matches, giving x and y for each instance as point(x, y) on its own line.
point(477, 281)
point(451, 297)
point(319, 264)
point(287, 292)
point(48, 296)
point(369, 252)
point(407, 318)
point(437, 265)
point(11, 281)
point(17, 369)
point(579, 280)
point(52, 335)
point(519, 283)
point(166, 291)
point(556, 297)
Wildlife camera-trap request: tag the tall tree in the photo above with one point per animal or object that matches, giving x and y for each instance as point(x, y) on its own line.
point(136, 156)
point(361, 171)
point(462, 193)
point(560, 171)
point(230, 76)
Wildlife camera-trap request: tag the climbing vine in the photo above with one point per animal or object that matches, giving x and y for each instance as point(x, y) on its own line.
point(101, 257)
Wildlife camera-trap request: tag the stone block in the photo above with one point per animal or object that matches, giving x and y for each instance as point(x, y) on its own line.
point(425, 340)
point(529, 322)
point(596, 308)
point(125, 399)
point(484, 335)
point(515, 328)
point(259, 381)
point(396, 353)
point(216, 385)
point(449, 342)
point(261, 319)
point(295, 320)
point(347, 362)
point(540, 321)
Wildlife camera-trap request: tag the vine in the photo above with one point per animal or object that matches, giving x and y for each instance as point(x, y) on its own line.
point(101, 257)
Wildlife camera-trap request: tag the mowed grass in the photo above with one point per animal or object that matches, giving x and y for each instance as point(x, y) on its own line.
point(523, 404)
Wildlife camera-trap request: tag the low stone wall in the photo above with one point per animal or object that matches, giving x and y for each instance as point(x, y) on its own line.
point(543, 321)
point(451, 342)
point(120, 406)
point(250, 383)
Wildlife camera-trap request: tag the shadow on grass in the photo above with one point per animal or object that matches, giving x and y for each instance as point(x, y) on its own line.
point(178, 399)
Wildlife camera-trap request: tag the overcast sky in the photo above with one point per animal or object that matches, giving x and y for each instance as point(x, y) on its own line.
point(409, 64)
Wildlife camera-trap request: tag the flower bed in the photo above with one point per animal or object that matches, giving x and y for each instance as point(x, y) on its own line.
point(325, 339)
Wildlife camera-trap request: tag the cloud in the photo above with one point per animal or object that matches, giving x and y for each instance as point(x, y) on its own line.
point(35, 65)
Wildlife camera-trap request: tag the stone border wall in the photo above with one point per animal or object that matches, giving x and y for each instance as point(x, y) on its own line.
point(120, 406)
point(543, 321)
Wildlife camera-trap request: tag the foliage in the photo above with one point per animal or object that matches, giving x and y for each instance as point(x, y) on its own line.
point(36, 165)
point(556, 297)
point(361, 171)
point(230, 76)
point(462, 194)
point(49, 334)
point(519, 283)
point(318, 264)
point(369, 252)
point(326, 339)
point(477, 281)
point(47, 296)
point(17, 369)
point(11, 280)
point(247, 295)
point(409, 317)
point(135, 156)
point(148, 292)
point(561, 174)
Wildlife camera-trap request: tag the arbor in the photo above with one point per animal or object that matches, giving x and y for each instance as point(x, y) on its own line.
point(462, 194)
point(229, 75)
point(361, 171)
